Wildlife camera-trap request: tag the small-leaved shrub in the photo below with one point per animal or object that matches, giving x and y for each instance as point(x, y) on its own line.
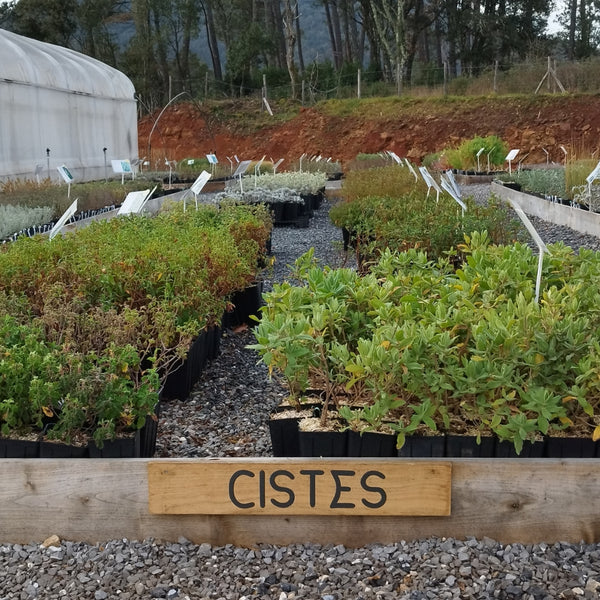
point(465, 156)
point(403, 216)
point(422, 347)
point(96, 318)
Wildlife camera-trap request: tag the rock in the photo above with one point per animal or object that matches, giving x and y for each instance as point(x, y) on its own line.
point(53, 540)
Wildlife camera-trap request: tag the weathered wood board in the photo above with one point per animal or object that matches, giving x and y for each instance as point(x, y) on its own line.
point(510, 500)
point(326, 487)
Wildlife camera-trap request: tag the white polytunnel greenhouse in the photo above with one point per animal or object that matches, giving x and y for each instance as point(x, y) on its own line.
point(59, 107)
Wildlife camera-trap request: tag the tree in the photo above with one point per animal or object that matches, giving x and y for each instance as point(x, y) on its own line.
point(93, 36)
point(6, 14)
point(335, 34)
point(289, 21)
point(580, 19)
point(418, 17)
point(245, 58)
point(53, 21)
point(179, 19)
point(389, 24)
point(211, 37)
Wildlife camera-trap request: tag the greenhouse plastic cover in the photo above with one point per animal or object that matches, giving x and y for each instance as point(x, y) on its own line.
point(58, 99)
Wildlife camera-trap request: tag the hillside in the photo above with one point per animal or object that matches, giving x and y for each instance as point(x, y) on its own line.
point(342, 129)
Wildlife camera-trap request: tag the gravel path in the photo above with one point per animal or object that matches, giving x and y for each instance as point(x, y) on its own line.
point(222, 418)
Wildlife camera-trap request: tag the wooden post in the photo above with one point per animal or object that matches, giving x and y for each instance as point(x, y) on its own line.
point(264, 91)
point(358, 84)
point(495, 77)
point(445, 78)
point(550, 73)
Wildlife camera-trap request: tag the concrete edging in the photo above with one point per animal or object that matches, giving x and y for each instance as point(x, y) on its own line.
point(580, 220)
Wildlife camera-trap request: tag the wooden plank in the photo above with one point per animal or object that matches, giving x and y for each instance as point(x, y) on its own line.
point(301, 487)
point(509, 500)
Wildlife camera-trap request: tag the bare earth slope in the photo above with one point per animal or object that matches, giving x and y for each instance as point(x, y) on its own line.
point(342, 129)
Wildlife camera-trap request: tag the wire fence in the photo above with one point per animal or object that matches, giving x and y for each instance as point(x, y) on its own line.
point(322, 82)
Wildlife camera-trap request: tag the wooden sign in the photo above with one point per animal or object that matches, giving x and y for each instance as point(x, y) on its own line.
point(300, 487)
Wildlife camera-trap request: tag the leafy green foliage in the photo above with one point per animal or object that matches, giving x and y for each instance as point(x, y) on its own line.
point(401, 216)
point(95, 317)
point(421, 346)
point(465, 156)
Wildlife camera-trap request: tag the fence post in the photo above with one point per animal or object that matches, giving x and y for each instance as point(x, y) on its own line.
point(496, 77)
point(264, 88)
point(445, 78)
point(358, 84)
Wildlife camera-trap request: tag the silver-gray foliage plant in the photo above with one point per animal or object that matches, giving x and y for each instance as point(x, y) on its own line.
point(16, 218)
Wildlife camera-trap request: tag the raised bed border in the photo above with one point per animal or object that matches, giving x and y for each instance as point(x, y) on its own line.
point(509, 500)
point(580, 220)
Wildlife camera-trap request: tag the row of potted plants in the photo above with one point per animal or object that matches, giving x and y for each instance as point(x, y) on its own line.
point(97, 319)
point(478, 155)
point(31, 205)
point(572, 185)
point(417, 347)
point(403, 214)
point(292, 197)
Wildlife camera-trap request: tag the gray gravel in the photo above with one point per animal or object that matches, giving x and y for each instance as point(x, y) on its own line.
point(426, 569)
point(226, 415)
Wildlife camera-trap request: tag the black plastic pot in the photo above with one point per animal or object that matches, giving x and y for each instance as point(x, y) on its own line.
point(466, 446)
point(530, 449)
point(19, 448)
point(245, 303)
point(148, 433)
point(322, 443)
point(370, 443)
point(120, 448)
point(179, 383)
point(284, 436)
point(290, 211)
point(423, 446)
point(276, 211)
point(346, 238)
point(60, 450)
point(558, 447)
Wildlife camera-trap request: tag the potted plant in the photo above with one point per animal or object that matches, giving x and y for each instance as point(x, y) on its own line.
point(432, 348)
point(115, 299)
point(402, 215)
point(467, 157)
